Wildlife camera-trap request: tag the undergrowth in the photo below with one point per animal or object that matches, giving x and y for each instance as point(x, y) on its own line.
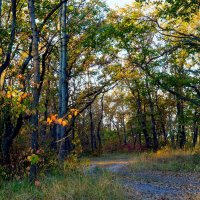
point(72, 185)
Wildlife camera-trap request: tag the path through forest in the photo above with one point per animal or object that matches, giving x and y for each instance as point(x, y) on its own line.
point(147, 185)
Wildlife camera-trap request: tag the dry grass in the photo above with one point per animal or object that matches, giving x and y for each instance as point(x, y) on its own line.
point(168, 160)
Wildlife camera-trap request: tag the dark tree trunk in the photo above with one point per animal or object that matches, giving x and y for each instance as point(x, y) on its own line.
point(170, 127)
point(119, 138)
point(142, 120)
point(153, 122)
point(6, 63)
point(6, 139)
point(140, 139)
point(195, 128)
point(161, 121)
point(54, 137)
point(44, 127)
point(181, 126)
point(92, 136)
point(9, 135)
point(99, 125)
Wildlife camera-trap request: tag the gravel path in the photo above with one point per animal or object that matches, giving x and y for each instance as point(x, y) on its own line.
point(150, 185)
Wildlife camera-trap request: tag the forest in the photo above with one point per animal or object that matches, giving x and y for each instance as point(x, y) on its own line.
point(86, 89)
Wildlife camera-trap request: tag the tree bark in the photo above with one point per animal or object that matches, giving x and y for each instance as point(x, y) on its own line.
point(36, 83)
point(9, 134)
point(6, 63)
point(63, 79)
point(99, 124)
point(12, 38)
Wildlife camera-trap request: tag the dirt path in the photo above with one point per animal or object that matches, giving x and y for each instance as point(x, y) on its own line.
point(149, 185)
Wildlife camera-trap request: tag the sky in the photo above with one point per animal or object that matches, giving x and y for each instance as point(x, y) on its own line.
point(120, 3)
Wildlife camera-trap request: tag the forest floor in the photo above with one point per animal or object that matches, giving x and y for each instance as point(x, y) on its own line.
point(141, 181)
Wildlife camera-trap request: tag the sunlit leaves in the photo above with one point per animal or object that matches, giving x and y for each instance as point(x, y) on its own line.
point(53, 119)
point(18, 100)
point(33, 159)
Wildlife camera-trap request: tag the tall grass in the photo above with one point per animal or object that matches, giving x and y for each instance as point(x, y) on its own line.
point(71, 186)
point(168, 160)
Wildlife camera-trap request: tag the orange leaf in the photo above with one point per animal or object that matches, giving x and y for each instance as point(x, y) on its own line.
point(54, 118)
point(9, 96)
point(24, 95)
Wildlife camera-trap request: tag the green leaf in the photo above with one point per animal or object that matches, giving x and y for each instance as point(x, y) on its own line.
point(71, 8)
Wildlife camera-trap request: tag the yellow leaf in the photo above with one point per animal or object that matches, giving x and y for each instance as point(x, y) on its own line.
point(49, 120)
point(59, 121)
point(29, 158)
point(64, 123)
point(75, 113)
point(69, 117)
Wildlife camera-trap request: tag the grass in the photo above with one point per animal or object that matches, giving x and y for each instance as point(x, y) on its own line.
point(74, 185)
point(163, 160)
point(167, 160)
point(113, 156)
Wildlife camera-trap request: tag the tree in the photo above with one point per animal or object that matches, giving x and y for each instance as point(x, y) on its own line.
point(36, 83)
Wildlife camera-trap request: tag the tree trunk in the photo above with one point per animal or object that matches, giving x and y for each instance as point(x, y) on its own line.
point(63, 80)
point(181, 126)
point(92, 136)
point(161, 115)
point(170, 128)
point(36, 83)
point(195, 128)
point(99, 125)
point(6, 63)
point(118, 131)
point(153, 122)
point(124, 129)
point(6, 139)
point(0, 11)
point(142, 120)
point(10, 133)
